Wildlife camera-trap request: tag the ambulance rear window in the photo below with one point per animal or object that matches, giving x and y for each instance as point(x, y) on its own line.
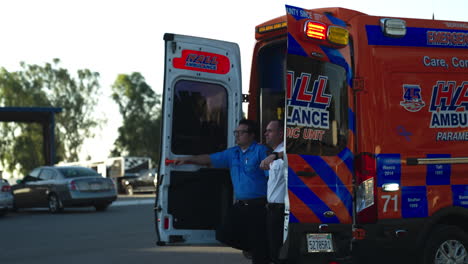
point(317, 115)
point(199, 123)
point(271, 67)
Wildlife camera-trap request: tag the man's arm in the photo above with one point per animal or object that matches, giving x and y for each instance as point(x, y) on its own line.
point(203, 159)
point(265, 164)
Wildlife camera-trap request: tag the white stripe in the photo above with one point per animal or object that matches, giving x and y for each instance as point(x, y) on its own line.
point(132, 202)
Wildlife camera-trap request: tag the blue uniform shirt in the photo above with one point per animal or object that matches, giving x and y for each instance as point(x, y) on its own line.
point(248, 180)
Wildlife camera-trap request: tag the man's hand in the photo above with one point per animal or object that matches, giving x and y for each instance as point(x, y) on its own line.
point(182, 160)
point(265, 164)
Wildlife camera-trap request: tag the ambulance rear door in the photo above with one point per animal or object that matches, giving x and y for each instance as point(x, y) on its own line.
point(201, 107)
point(318, 141)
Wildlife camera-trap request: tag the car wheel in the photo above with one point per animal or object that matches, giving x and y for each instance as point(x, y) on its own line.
point(55, 204)
point(14, 208)
point(446, 244)
point(101, 207)
point(129, 190)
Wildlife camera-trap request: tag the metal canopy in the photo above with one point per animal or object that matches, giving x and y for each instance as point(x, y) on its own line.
point(43, 115)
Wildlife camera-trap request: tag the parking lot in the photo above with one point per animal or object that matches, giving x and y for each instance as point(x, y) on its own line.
point(122, 234)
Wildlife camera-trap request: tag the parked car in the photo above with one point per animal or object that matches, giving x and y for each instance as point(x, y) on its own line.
point(144, 181)
point(60, 187)
point(6, 198)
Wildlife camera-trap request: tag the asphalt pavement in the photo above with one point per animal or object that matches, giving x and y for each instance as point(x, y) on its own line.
point(125, 233)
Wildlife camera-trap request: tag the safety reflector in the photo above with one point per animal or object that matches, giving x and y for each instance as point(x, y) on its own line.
point(359, 233)
point(166, 223)
point(316, 30)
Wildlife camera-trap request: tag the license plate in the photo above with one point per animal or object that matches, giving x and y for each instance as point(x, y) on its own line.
point(319, 243)
point(95, 186)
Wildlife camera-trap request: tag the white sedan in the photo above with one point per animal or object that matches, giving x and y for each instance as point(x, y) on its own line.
point(6, 198)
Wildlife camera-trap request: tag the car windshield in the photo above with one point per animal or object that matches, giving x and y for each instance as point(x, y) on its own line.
point(77, 172)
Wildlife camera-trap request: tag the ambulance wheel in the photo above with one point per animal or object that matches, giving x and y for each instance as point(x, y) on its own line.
point(446, 244)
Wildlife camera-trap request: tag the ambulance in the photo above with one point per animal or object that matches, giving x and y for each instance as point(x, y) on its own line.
point(376, 136)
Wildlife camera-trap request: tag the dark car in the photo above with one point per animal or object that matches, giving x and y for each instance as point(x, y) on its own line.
point(144, 181)
point(58, 187)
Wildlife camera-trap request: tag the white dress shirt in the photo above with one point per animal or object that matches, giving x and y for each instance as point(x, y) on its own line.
point(276, 182)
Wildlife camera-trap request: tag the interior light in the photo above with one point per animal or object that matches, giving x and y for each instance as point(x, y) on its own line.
point(316, 30)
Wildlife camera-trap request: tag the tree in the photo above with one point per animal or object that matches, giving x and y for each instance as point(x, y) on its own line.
point(140, 108)
point(47, 86)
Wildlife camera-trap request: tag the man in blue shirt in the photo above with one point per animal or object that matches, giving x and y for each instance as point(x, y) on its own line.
point(244, 226)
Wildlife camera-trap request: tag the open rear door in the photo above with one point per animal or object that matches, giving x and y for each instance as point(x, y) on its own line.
point(201, 107)
point(319, 139)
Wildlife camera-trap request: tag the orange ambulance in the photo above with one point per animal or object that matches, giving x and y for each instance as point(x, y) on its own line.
point(376, 114)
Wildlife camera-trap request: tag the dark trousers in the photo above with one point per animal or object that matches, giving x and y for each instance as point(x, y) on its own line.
point(244, 228)
point(275, 226)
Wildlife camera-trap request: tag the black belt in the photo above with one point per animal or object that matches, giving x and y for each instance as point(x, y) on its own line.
point(255, 201)
point(275, 206)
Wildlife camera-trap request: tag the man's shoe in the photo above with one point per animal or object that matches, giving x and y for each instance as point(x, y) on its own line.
point(247, 254)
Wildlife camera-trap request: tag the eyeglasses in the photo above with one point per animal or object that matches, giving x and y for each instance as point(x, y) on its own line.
point(240, 132)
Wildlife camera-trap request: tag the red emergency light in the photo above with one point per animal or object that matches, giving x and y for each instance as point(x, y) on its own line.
point(316, 30)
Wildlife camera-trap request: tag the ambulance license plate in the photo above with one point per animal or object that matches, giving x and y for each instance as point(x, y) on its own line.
point(319, 243)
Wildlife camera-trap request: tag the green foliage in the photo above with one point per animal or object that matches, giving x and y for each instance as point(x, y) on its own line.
point(139, 106)
point(47, 86)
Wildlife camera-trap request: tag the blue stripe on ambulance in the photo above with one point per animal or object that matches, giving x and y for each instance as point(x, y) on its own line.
point(335, 57)
point(295, 12)
point(332, 180)
point(347, 157)
point(388, 169)
point(415, 37)
point(294, 47)
point(438, 174)
point(414, 202)
point(335, 20)
point(292, 218)
point(460, 195)
point(314, 203)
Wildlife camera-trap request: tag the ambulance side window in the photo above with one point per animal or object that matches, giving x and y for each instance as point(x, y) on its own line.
point(199, 123)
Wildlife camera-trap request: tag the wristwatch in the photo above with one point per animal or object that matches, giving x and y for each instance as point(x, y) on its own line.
point(276, 155)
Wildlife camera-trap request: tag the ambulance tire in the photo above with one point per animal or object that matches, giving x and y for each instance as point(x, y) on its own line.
point(445, 238)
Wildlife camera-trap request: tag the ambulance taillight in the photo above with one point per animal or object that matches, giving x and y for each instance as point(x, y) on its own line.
point(315, 30)
point(327, 34)
point(366, 188)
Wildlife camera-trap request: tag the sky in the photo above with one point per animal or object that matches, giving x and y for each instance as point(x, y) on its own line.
point(125, 36)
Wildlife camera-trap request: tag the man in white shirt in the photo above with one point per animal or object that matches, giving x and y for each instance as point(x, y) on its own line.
point(276, 191)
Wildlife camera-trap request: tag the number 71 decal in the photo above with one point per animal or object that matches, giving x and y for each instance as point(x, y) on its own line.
point(391, 203)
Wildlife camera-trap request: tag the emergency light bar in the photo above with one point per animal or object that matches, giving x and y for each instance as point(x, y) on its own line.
point(272, 27)
point(320, 31)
